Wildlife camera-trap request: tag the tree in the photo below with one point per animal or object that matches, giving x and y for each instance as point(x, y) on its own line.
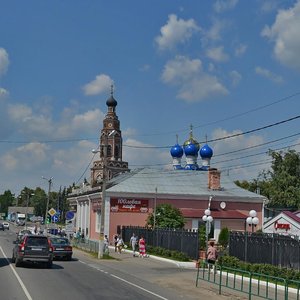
point(285, 178)
point(167, 216)
point(280, 184)
point(224, 237)
point(6, 200)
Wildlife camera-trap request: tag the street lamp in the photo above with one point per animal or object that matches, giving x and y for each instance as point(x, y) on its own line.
point(48, 199)
point(102, 216)
point(26, 212)
point(252, 220)
point(208, 219)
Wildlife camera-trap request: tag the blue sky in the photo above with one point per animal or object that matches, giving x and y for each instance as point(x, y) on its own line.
point(226, 67)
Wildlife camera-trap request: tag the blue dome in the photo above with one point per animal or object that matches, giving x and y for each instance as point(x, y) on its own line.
point(176, 151)
point(206, 152)
point(191, 149)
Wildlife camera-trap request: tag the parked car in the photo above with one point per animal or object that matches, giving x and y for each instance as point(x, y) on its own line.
point(33, 248)
point(61, 248)
point(6, 225)
point(1, 226)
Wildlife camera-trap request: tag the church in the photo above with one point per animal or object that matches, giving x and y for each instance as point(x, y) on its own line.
point(197, 190)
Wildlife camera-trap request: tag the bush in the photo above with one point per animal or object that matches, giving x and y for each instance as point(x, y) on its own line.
point(233, 262)
point(224, 237)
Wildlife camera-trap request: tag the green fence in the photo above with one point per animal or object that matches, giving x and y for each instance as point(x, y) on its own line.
point(252, 284)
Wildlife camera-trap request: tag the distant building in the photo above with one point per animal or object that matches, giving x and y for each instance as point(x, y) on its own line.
point(132, 196)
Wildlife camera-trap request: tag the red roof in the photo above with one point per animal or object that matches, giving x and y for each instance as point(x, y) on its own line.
point(216, 214)
point(292, 215)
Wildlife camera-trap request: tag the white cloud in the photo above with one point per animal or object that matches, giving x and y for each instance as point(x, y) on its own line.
point(235, 160)
point(222, 5)
point(25, 157)
point(217, 54)
point(240, 50)
point(194, 85)
point(268, 74)
point(214, 33)
point(99, 85)
point(176, 31)
point(4, 61)
point(3, 93)
point(285, 34)
point(269, 6)
point(235, 77)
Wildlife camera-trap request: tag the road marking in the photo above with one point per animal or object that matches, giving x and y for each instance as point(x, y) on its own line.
point(126, 281)
point(17, 276)
point(139, 287)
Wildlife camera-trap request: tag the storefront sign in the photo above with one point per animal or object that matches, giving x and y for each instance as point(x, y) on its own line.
point(129, 205)
point(282, 226)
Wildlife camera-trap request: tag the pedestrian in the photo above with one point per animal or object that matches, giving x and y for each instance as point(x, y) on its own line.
point(133, 243)
point(212, 256)
point(106, 244)
point(120, 244)
point(142, 247)
point(116, 242)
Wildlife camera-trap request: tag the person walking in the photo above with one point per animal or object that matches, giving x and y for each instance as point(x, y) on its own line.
point(142, 247)
point(212, 256)
point(106, 244)
point(133, 243)
point(120, 244)
point(116, 242)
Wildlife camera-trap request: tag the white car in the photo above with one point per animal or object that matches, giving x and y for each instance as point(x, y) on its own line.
point(6, 225)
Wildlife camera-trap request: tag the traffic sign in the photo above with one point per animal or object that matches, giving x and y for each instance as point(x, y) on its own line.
point(52, 212)
point(55, 218)
point(69, 215)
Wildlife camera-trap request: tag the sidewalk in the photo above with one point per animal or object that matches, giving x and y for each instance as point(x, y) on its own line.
point(179, 264)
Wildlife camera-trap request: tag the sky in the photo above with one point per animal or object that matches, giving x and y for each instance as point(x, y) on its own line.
point(230, 69)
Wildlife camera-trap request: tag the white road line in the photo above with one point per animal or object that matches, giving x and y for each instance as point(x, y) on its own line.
point(126, 281)
point(139, 287)
point(17, 276)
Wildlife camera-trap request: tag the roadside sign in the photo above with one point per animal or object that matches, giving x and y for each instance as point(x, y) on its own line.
point(52, 212)
point(69, 215)
point(55, 218)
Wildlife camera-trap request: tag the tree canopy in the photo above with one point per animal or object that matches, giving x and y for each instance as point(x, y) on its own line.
point(280, 184)
point(167, 216)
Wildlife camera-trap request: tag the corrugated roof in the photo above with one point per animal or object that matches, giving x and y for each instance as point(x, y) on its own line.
point(216, 214)
point(182, 183)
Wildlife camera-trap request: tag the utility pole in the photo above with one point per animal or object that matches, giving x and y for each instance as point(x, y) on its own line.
point(48, 199)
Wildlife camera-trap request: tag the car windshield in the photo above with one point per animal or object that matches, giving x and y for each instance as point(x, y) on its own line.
point(59, 241)
point(33, 241)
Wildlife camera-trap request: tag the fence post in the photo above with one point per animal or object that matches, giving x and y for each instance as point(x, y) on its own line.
point(220, 281)
point(246, 245)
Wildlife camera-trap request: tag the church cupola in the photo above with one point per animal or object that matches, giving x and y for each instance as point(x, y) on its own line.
point(191, 148)
point(177, 153)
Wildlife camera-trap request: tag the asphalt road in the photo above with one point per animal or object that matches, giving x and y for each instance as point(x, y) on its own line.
point(86, 277)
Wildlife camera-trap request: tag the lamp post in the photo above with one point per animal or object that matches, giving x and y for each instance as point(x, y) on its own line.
point(102, 217)
point(48, 199)
point(208, 219)
point(252, 220)
point(154, 214)
point(26, 212)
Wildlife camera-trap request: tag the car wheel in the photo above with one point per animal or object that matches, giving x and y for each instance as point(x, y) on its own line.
point(18, 263)
point(49, 264)
point(69, 257)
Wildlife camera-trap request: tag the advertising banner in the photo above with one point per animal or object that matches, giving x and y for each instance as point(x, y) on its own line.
point(129, 205)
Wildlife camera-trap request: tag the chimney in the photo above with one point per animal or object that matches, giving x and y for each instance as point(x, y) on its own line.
point(214, 179)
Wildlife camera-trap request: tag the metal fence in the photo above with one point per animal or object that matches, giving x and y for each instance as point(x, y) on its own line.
point(273, 249)
point(255, 285)
point(185, 241)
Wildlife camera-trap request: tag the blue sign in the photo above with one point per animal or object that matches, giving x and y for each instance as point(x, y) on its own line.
point(55, 218)
point(69, 215)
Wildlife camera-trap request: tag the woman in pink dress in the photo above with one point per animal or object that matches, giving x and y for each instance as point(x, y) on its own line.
point(142, 247)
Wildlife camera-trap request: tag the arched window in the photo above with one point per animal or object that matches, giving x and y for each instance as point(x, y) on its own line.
point(109, 150)
point(116, 151)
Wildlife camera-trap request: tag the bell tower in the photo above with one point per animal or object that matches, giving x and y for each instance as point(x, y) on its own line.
point(111, 138)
